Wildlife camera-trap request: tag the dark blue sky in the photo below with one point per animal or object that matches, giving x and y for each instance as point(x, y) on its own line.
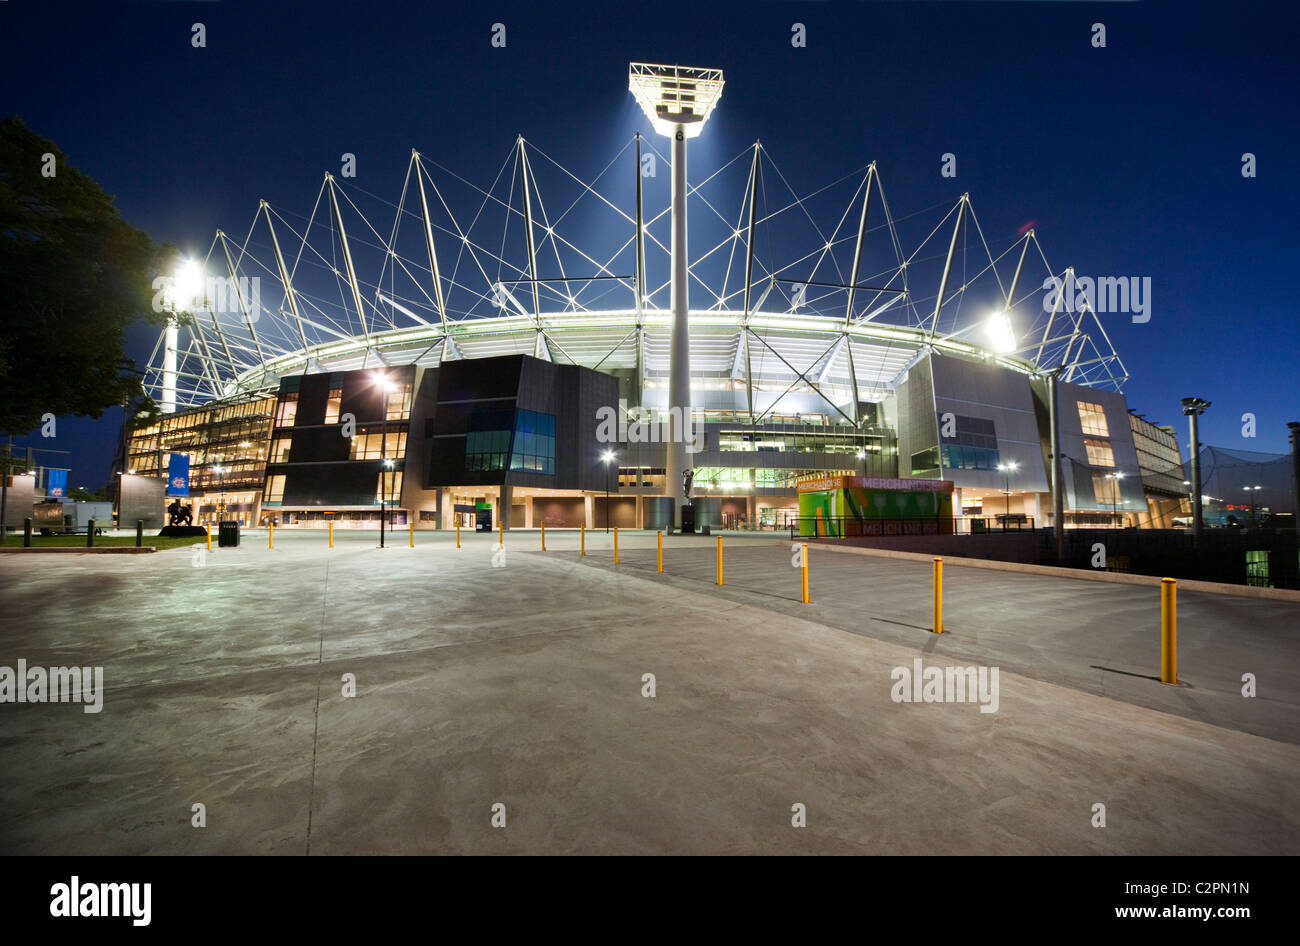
point(1127, 157)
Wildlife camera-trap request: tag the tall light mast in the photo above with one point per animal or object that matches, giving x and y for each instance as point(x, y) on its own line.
point(678, 101)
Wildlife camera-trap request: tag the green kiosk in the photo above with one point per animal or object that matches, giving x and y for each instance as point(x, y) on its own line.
point(846, 506)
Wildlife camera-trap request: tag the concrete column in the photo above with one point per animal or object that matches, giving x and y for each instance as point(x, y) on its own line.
point(589, 511)
point(751, 512)
point(679, 365)
point(446, 514)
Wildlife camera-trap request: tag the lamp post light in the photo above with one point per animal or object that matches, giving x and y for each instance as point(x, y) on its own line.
point(678, 101)
point(1252, 490)
point(1193, 408)
point(1115, 494)
point(1294, 427)
point(1007, 469)
point(606, 458)
point(221, 486)
point(385, 386)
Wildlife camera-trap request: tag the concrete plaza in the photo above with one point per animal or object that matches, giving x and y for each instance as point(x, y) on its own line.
point(518, 680)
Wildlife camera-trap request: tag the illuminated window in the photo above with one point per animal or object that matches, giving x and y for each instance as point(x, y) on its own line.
point(391, 482)
point(280, 450)
point(1093, 419)
point(399, 401)
point(1106, 489)
point(274, 491)
point(369, 445)
point(286, 410)
point(1099, 453)
point(332, 405)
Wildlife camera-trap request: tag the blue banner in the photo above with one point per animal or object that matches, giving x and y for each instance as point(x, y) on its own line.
point(178, 475)
point(56, 484)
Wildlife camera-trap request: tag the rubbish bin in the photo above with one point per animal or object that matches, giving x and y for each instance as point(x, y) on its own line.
point(688, 519)
point(228, 534)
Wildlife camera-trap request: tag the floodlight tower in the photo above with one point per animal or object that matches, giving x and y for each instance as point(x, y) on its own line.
point(678, 100)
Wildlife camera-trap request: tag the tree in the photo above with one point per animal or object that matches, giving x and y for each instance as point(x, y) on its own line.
point(73, 275)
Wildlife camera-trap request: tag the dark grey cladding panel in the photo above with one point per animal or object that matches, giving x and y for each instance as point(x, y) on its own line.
point(572, 394)
point(330, 484)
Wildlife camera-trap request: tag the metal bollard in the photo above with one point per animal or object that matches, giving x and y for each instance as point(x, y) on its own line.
point(583, 540)
point(938, 596)
point(331, 535)
point(139, 533)
point(270, 536)
point(660, 533)
point(90, 534)
point(208, 527)
point(719, 559)
point(411, 527)
point(457, 535)
point(1168, 630)
point(806, 598)
point(543, 537)
point(615, 545)
point(27, 533)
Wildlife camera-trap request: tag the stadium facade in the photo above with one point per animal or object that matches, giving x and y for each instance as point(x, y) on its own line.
point(555, 350)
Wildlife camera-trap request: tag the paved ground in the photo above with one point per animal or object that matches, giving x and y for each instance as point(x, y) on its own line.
point(522, 685)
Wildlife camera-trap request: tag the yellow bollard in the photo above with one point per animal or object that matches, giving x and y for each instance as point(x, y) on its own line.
point(660, 533)
point(806, 598)
point(543, 537)
point(1168, 630)
point(501, 532)
point(411, 526)
point(209, 528)
point(270, 536)
point(457, 535)
point(719, 559)
point(583, 538)
point(331, 535)
point(938, 596)
point(615, 545)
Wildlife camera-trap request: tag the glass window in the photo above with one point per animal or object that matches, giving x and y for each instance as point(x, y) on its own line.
point(399, 401)
point(286, 410)
point(1093, 419)
point(369, 444)
point(1099, 453)
point(1105, 489)
point(332, 404)
point(274, 492)
point(390, 481)
point(280, 450)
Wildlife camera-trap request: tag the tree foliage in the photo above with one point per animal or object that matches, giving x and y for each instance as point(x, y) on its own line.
point(73, 275)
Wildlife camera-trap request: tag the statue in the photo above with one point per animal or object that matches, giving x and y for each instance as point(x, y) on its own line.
point(688, 479)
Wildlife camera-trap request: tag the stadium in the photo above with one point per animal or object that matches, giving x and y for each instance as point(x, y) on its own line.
point(464, 335)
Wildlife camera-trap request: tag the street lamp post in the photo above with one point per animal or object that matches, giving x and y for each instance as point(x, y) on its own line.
point(1252, 490)
point(607, 457)
point(1114, 505)
point(1294, 427)
point(1193, 408)
point(1007, 469)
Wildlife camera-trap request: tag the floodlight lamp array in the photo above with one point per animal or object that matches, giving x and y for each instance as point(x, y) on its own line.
point(673, 96)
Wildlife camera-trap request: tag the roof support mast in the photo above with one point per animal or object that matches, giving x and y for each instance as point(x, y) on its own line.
point(749, 279)
point(428, 243)
point(853, 288)
point(532, 248)
point(347, 257)
point(640, 280)
point(285, 280)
